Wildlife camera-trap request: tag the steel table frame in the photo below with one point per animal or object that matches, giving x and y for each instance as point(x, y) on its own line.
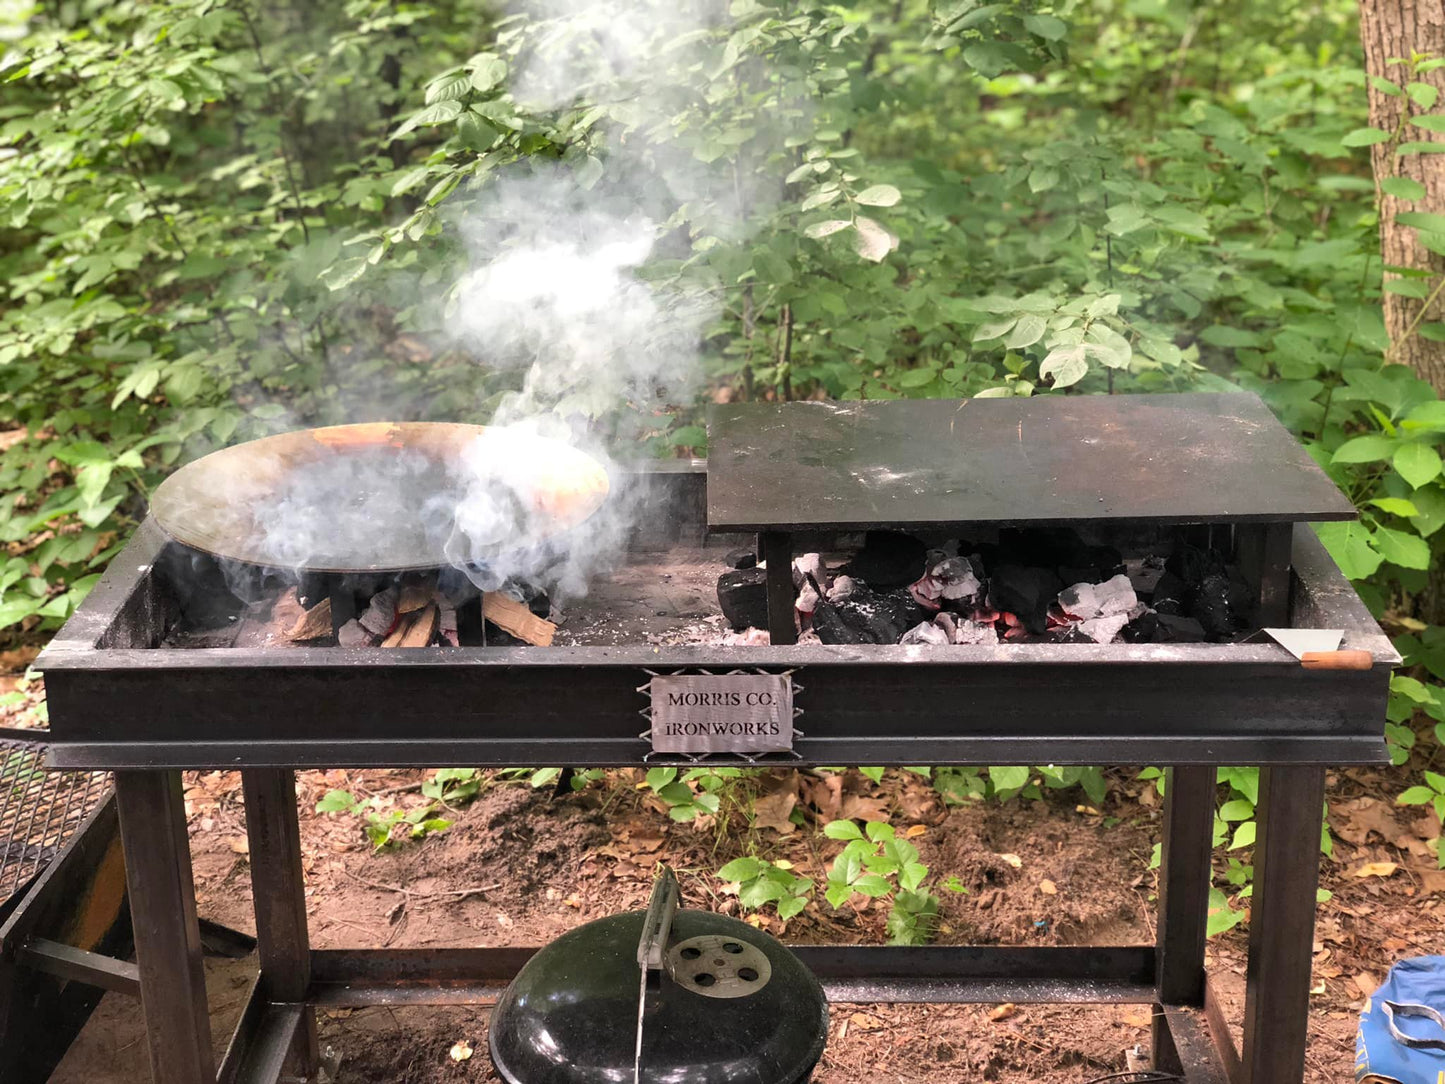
point(117, 701)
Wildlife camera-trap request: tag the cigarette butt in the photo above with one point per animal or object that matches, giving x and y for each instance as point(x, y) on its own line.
point(1337, 660)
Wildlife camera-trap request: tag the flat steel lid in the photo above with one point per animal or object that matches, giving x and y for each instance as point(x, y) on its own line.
point(380, 497)
point(1056, 459)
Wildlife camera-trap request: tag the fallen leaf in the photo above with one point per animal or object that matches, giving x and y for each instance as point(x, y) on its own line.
point(1048, 888)
point(1002, 1012)
point(1432, 880)
point(915, 830)
point(241, 845)
point(461, 1051)
point(1138, 1018)
point(1376, 869)
point(772, 811)
point(1087, 810)
point(1013, 860)
point(1366, 983)
point(1355, 819)
point(865, 1021)
point(19, 658)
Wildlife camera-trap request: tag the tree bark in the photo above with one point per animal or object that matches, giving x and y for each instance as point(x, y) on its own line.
point(1391, 30)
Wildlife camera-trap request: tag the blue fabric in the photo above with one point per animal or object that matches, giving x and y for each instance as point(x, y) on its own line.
point(1379, 1055)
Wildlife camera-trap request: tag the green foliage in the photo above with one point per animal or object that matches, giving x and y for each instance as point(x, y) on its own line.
point(876, 863)
point(697, 791)
point(761, 883)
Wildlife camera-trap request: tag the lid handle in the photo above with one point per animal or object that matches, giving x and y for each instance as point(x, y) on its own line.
point(657, 925)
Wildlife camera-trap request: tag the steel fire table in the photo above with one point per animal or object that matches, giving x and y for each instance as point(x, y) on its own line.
point(1218, 468)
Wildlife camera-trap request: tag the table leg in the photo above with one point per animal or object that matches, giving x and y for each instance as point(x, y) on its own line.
point(1184, 880)
point(1282, 924)
point(777, 547)
point(167, 936)
point(279, 890)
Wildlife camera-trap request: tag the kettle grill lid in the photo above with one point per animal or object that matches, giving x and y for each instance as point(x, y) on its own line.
point(570, 1015)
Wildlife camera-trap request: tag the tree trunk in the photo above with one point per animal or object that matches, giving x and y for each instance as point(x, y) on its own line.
point(1391, 30)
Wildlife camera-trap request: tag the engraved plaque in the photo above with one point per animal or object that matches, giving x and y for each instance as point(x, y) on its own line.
point(722, 713)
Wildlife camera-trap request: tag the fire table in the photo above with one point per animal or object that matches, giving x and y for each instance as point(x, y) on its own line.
point(1215, 469)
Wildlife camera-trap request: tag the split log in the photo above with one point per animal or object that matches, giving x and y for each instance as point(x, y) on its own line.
point(414, 596)
point(314, 624)
point(514, 618)
point(414, 631)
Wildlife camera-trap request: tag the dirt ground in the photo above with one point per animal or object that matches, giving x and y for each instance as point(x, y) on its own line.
point(520, 866)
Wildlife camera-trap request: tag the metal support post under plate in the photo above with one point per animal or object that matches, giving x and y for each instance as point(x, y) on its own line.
point(279, 891)
point(167, 936)
point(1282, 923)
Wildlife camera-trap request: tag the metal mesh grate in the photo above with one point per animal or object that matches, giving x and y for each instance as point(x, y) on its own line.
point(39, 811)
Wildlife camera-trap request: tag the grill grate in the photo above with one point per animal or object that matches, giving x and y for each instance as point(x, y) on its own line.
point(39, 811)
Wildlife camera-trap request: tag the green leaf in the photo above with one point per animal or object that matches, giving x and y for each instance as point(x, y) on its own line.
point(1431, 122)
point(1046, 26)
point(1029, 330)
point(1008, 778)
point(335, 801)
point(1422, 220)
point(1423, 95)
point(1396, 506)
point(1399, 548)
point(1402, 188)
point(872, 886)
point(993, 329)
point(437, 113)
point(1417, 464)
point(1237, 809)
point(1364, 137)
point(742, 869)
point(448, 86)
point(1243, 836)
point(1350, 544)
point(1365, 449)
point(824, 229)
point(879, 195)
point(873, 242)
point(842, 830)
point(1415, 796)
point(1065, 364)
point(488, 70)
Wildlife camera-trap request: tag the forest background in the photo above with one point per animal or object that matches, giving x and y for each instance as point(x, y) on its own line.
point(222, 218)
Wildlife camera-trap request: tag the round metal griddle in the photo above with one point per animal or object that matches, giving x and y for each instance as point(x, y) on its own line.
point(381, 497)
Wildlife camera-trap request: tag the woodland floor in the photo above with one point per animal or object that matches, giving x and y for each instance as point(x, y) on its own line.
point(537, 865)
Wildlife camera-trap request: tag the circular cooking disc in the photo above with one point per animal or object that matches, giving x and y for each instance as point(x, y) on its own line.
point(381, 496)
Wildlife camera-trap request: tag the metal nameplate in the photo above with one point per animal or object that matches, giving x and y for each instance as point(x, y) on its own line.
point(722, 713)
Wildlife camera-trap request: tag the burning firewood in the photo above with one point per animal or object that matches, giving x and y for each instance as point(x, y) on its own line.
point(415, 630)
point(514, 618)
point(314, 624)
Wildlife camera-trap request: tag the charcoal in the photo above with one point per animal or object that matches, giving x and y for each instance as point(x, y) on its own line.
point(743, 596)
point(1143, 629)
point(830, 627)
point(1210, 607)
point(1173, 629)
point(741, 559)
point(1026, 592)
point(887, 560)
point(1145, 574)
point(925, 633)
point(1169, 595)
point(874, 618)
